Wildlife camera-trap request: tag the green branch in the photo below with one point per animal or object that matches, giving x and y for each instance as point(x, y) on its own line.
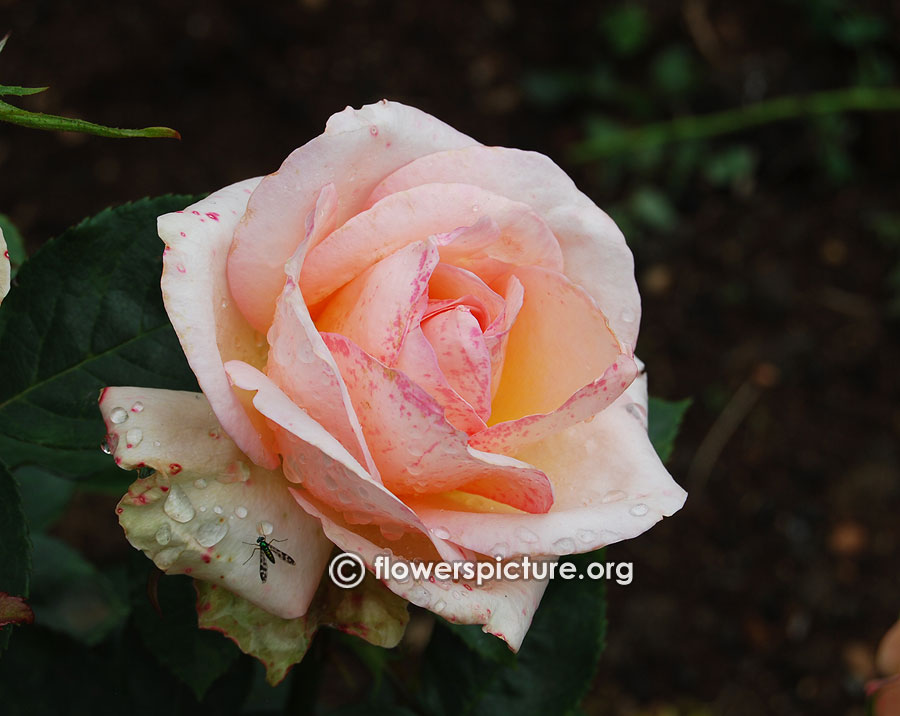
point(866, 99)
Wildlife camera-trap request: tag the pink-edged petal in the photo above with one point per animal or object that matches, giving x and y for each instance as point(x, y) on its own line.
point(315, 459)
point(462, 355)
point(405, 217)
point(301, 364)
point(358, 149)
point(418, 360)
point(496, 336)
point(416, 449)
point(559, 343)
point(209, 325)
point(594, 250)
point(608, 482)
point(377, 309)
point(207, 501)
point(508, 437)
point(452, 283)
point(504, 607)
point(5, 269)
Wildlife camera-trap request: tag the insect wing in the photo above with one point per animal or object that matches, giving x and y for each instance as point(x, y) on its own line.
point(263, 567)
point(278, 553)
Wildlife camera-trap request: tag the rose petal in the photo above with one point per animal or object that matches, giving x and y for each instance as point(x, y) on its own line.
point(202, 511)
point(560, 342)
point(301, 364)
point(496, 336)
point(357, 150)
point(609, 485)
point(5, 268)
point(594, 250)
point(406, 217)
point(209, 325)
point(450, 282)
point(419, 362)
point(416, 449)
point(377, 309)
point(504, 607)
point(314, 458)
point(462, 355)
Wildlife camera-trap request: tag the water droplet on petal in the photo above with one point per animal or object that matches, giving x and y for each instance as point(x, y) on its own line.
point(566, 545)
point(218, 509)
point(166, 558)
point(419, 596)
point(439, 606)
point(329, 482)
point(156, 443)
point(613, 496)
point(441, 532)
point(586, 535)
point(628, 316)
point(345, 497)
point(639, 510)
point(392, 532)
point(265, 528)
point(526, 535)
point(211, 533)
point(240, 512)
point(501, 549)
point(133, 437)
point(200, 483)
point(117, 416)
point(178, 505)
point(137, 407)
point(164, 534)
point(110, 444)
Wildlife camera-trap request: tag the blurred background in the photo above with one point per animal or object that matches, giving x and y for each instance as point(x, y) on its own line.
point(768, 259)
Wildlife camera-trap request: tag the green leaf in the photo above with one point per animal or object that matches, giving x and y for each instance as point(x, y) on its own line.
point(52, 122)
point(87, 312)
point(626, 29)
point(44, 496)
point(15, 244)
point(653, 209)
point(730, 166)
point(195, 657)
point(70, 595)
point(551, 673)
point(369, 611)
point(665, 420)
point(20, 91)
point(15, 548)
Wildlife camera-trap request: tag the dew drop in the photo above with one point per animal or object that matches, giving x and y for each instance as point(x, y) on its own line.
point(627, 316)
point(373, 130)
point(137, 407)
point(211, 533)
point(265, 528)
point(110, 444)
point(586, 535)
point(392, 532)
point(566, 545)
point(240, 511)
point(164, 534)
point(133, 437)
point(329, 482)
point(439, 606)
point(203, 508)
point(224, 303)
point(118, 416)
point(156, 443)
point(200, 483)
point(526, 535)
point(178, 505)
point(218, 509)
point(441, 532)
point(639, 510)
point(345, 497)
point(501, 549)
point(613, 496)
point(419, 596)
point(165, 558)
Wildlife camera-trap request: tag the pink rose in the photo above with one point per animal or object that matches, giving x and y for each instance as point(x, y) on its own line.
point(408, 343)
point(4, 268)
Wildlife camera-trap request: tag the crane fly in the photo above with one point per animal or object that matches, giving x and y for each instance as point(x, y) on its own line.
point(267, 551)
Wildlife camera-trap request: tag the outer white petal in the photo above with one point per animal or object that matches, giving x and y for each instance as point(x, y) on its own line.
point(202, 511)
point(209, 325)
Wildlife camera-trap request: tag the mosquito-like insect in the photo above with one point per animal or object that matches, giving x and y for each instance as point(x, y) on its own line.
point(267, 552)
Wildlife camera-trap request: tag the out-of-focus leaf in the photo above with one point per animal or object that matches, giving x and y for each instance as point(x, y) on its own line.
point(665, 419)
point(653, 209)
point(195, 657)
point(626, 29)
point(87, 312)
point(44, 496)
point(70, 595)
point(673, 71)
point(551, 673)
point(728, 167)
point(15, 548)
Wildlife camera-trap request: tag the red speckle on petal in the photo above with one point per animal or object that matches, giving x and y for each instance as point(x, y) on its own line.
point(212, 215)
point(6, 255)
point(468, 586)
point(174, 468)
point(102, 395)
point(118, 460)
point(373, 130)
point(164, 488)
point(183, 234)
point(195, 212)
point(119, 510)
point(188, 570)
point(205, 558)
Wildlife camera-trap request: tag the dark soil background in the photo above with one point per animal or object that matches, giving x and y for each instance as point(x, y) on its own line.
point(767, 286)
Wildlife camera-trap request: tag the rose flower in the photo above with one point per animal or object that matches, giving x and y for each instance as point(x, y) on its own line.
point(408, 344)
